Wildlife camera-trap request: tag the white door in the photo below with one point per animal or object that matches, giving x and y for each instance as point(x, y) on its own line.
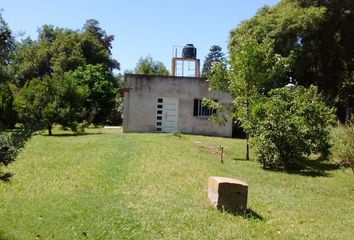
point(166, 114)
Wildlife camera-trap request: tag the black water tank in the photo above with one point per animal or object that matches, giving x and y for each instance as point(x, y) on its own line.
point(189, 51)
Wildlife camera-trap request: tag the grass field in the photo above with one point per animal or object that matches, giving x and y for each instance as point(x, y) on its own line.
point(109, 185)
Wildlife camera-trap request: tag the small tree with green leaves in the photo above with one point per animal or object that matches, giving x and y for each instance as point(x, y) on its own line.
point(252, 69)
point(148, 66)
point(52, 101)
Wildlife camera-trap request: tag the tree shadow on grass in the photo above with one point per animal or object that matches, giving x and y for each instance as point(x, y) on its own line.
point(70, 134)
point(240, 159)
point(3, 237)
point(308, 167)
point(314, 168)
point(5, 178)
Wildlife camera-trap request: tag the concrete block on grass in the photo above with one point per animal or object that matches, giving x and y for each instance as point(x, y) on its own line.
point(228, 193)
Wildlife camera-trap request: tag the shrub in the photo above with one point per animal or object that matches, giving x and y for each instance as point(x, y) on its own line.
point(11, 143)
point(344, 144)
point(8, 115)
point(289, 125)
point(177, 134)
point(7, 150)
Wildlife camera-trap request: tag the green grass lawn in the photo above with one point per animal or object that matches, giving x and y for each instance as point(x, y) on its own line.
point(109, 185)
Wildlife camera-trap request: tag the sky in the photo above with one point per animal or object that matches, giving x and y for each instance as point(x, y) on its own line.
point(141, 27)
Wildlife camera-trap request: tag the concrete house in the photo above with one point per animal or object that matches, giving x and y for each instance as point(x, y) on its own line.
point(168, 103)
point(172, 103)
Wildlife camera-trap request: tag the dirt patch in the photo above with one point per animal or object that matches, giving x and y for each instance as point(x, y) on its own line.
point(215, 150)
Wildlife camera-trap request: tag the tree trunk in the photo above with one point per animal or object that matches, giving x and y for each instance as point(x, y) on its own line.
point(50, 130)
point(248, 117)
point(247, 147)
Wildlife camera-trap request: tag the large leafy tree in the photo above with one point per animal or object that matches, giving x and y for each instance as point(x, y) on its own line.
point(318, 36)
point(31, 60)
point(55, 53)
point(285, 125)
point(11, 142)
point(92, 26)
point(148, 66)
point(8, 116)
point(7, 46)
point(265, 53)
point(101, 96)
point(59, 50)
point(215, 55)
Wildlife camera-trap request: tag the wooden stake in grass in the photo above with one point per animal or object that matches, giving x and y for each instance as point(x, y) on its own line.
point(222, 154)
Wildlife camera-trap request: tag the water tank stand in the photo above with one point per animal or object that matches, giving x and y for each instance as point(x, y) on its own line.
point(175, 61)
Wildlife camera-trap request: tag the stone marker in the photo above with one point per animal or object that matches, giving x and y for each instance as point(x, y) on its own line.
point(228, 193)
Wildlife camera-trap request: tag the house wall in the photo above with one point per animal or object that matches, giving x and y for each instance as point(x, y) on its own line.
point(140, 104)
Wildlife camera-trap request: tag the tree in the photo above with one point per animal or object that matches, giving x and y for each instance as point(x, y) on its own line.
point(8, 115)
point(59, 50)
point(101, 96)
point(92, 26)
point(284, 125)
point(51, 101)
point(215, 55)
point(66, 51)
point(287, 42)
point(253, 68)
point(31, 60)
point(317, 35)
point(290, 125)
point(46, 33)
point(147, 66)
point(116, 115)
point(11, 142)
point(7, 47)
point(7, 44)
point(58, 54)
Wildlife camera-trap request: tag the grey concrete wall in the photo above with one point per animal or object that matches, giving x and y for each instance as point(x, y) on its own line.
point(139, 114)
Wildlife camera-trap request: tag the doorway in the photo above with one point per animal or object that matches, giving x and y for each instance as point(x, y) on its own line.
point(166, 114)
